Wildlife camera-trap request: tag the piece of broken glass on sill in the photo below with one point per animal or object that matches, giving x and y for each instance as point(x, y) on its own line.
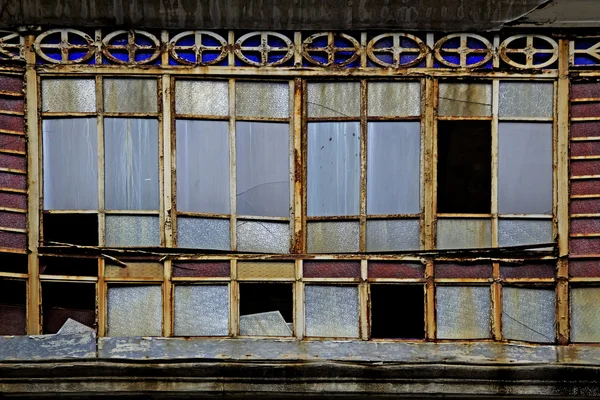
point(269, 323)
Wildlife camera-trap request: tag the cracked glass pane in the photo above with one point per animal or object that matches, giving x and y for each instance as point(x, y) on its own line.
point(333, 99)
point(528, 314)
point(263, 237)
point(465, 99)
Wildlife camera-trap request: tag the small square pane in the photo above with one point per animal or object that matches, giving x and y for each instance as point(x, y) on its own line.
point(201, 310)
point(331, 311)
point(528, 314)
point(132, 231)
point(465, 99)
point(134, 311)
point(70, 157)
point(390, 235)
point(463, 312)
point(333, 183)
point(203, 233)
point(464, 233)
point(130, 95)
point(585, 314)
point(202, 97)
point(334, 99)
point(333, 237)
point(526, 99)
point(518, 232)
point(263, 237)
point(68, 95)
point(394, 99)
point(262, 99)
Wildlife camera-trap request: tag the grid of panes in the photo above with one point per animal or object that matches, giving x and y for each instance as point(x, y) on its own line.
point(494, 188)
point(100, 149)
point(363, 141)
point(233, 167)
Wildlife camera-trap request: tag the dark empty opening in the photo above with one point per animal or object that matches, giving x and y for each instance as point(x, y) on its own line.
point(16, 263)
point(63, 300)
point(265, 297)
point(464, 167)
point(397, 312)
point(79, 229)
point(12, 307)
point(69, 266)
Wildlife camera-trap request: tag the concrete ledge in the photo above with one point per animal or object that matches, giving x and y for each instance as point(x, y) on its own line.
point(47, 347)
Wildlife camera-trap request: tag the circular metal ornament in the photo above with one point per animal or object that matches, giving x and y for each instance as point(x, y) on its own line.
point(132, 47)
point(265, 48)
point(11, 46)
point(198, 48)
point(64, 46)
point(397, 50)
point(529, 51)
point(463, 51)
point(331, 49)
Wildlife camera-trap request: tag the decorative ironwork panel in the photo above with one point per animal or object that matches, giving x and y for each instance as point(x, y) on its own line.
point(65, 46)
point(394, 50)
point(11, 46)
point(131, 47)
point(463, 50)
point(529, 51)
point(327, 49)
point(198, 48)
point(262, 49)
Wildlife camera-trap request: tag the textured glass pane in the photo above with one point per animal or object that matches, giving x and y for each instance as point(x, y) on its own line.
point(388, 235)
point(394, 99)
point(133, 231)
point(70, 164)
point(333, 237)
point(333, 168)
point(263, 169)
point(264, 324)
point(69, 95)
point(463, 233)
point(393, 160)
point(130, 95)
point(261, 99)
point(465, 99)
point(134, 311)
point(517, 232)
point(265, 270)
point(203, 166)
point(202, 97)
point(525, 168)
point(585, 314)
point(526, 99)
point(134, 270)
point(202, 233)
point(334, 99)
point(201, 310)
point(331, 269)
point(131, 164)
point(528, 314)
point(463, 312)
point(331, 311)
point(263, 237)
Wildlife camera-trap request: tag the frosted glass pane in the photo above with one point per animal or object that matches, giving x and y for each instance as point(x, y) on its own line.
point(201, 310)
point(132, 231)
point(261, 99)
point(263, 237)
point(516, 232)
point(333, 237)
point(131, 164)
point(202, 97)
point(333, 168)
point(528, 314)
point(134, 311)
point(464, 233)
point(393, 160)
point(70, 164)
point(130, 95)
point(525, 168)
point(585, 314)
point(331, 311)
point(394, 99)
point(465, 99)
point(203, 166)
point(69, 95)
point(525, 99)
point(263, 169)
point(463, 312)
point(334, 99)
point(388, 235)
point(200, 233)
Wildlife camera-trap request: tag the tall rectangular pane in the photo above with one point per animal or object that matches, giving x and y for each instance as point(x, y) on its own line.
point(68, 95)
point(585, 314)
point(393, 160)
point(528, 314)
point(263, 169)
point(331, 311)
point(130, 95)
point(134, 311)
point(202, 97)
point(203, 166)
point(262, 99)
point(334, 99)
point(463, 312)
point(526, 99)
point(525, 168)
point(131, 164)
point(201, 310)
point(465, 99)
point(70, 154)
point(333, 186)
point(394, 99)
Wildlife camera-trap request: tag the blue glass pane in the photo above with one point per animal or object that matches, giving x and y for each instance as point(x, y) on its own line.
point(187, 55)
point(406, 58)
point(252, 41)
point(210, 41)
point(451, 58)
point(52, 39)
point(384, 43)
point(453, 43)
point(143, 40)
point(276, 42)
point(320, 41)
point(585, 43)
point(76, 39)
point(408, 43)
point(75, 54)
point(475, 44)
point(585, 60)
point(385, 57)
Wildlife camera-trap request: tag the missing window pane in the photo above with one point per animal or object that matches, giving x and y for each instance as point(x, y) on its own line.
point(409, 324)
point(12, 307)
point(79, 229)
point(69, 266)
point(464, 167)
point(266, 309)
point(61, 301)
point(16, 263)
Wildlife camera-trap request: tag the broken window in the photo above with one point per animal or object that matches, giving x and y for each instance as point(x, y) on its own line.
point(409, 324)
point(266, 309)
